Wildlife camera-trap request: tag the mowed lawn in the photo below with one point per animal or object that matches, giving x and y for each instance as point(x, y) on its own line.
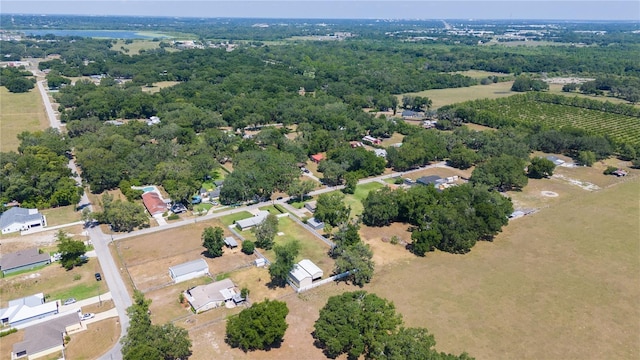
point(18, 113)
point(95, 341)
point(355, 200)
point(562, 283)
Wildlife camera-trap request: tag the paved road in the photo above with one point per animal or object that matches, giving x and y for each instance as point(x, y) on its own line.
point(53, 120)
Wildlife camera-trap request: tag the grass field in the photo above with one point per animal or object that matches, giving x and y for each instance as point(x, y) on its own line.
point(62, 215)
point(18, 113)
point(135, 47)
point(93, 342)
point(442, 97)
point(55, 282)
point(159, 86)
point(355, 200)
point(480, 74)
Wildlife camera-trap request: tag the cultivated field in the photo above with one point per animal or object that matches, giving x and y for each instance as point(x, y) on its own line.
point(18, 113)
point(442, 97)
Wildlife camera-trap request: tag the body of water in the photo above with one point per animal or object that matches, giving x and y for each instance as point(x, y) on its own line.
point(110, 34)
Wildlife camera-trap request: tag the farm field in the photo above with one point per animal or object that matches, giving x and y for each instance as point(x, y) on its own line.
point(619, 127)
point(18, 113)
point(442, 97)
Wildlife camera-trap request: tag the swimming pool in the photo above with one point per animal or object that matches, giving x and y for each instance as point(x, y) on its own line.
point(148, 189)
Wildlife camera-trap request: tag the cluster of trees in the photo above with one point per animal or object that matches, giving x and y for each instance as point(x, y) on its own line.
point(38, 176)
point(352, 254)
point(121, 215)
point(260, 327)
point(265, 232)
point(16, 80)
point(419, 148)
point(285, 259)
point(416, 103)
point(524, 83)
point(358, 323)
point(71, 251)
point(626, 88)
point(154, 342)
point(213, 241)
point(345, 162)
point(451, 220)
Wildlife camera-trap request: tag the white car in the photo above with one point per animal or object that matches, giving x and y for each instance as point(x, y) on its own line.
point(87, 316)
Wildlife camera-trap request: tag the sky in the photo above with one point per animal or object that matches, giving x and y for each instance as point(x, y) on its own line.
point(338, 9)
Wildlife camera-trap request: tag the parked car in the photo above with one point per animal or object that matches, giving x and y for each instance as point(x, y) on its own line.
point(69, 301)
point(98, 277)
point(87, 316)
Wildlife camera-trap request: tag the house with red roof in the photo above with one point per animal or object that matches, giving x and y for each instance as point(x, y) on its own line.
point(317, 158)
point(154, 204)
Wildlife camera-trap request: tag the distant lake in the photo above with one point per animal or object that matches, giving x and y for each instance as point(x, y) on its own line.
point(110, 34)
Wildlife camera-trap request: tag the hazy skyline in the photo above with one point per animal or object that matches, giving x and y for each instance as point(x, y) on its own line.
point(352, 9)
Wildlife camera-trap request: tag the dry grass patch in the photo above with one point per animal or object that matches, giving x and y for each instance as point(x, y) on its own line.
point(95, 341)
point(256, 279)
point(7, 342)
point(442, 97)
point(159, 86)
point(62, 215)
point(394, 139)
point(18, 113)
point(384, 252)
point(99, 307)
point(479, 74)
point(164, 302)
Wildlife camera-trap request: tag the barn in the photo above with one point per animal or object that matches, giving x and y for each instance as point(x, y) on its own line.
point(189, 270)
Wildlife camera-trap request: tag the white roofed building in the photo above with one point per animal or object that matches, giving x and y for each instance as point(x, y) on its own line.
point(189, 270)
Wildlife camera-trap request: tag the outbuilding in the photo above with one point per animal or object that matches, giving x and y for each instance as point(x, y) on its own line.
point(311, 268)
point(315, 223)
point(299, 277)
point(189, 270)
point(311, 206)
point(245, 224)
point(230, 242)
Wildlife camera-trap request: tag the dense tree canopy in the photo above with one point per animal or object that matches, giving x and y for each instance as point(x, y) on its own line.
point(260, 327)
point(71, 251)
point(213, 240)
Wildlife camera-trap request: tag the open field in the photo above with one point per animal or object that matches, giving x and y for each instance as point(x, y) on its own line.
point(149, 257)
point(135, 47)
point(159, 86)
point(394, 139)
point(355, 200)
point(18, 113)
point(557, 89)
point(55, 282)
point(480, 74)
point(62, 215)
point(95, 341)
point(442, 97)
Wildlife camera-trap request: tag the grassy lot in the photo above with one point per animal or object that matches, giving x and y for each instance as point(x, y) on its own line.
point(230, 219)
point(55, 282)
point(271, 209)
point(480, 74)
point(442, 97)
point(394, 139)
point(159, 86)
point(202, 207)
point(355, 200)
point(311, 247)
point(135, 47)
point(62, 215)
point(95, 341)
point(18, 113)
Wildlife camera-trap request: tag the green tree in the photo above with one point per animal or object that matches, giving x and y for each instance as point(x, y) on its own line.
point(462, 157)
point(71, 250)
point(380, 208)
point(330, 208)
point(285, 259)
point(265, 232)
point(332, 172)
point(260, 327)
point(346, 236)
point(248, 247)
point(504, 173)
point(213, 241)
point(18, 84)
point(353, 323)
point(299, 188)
point(407, 344)
point(121, 215)
point(586, 158)
point(357, 259)
point(540, 167)
point(351, 181)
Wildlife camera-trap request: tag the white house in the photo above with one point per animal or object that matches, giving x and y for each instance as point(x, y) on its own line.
point(210, 296)
point(189, 270)
point(20, 219)
point(26, 309)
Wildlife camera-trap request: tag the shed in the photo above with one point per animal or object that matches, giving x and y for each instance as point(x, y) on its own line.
point(317, 157)
point(19, 219)
point(252, 221)
point(556, 160)
point(311, 268)
point(230, 242)
point(23, 260)
point(311, 206)
point(300, 277)
point(380, 153)
point(189, 270)
point(315, 223)
point(260, 262)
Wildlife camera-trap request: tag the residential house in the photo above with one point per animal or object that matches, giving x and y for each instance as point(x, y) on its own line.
point(154, 204)
point(189, 270)
point(211, 296)
point(46, 338)
point(380, 153)
point(245, 224)
point(316, 158)
point(412, 115)
point(23, 260)
point(433, 180)
point(26, 309)
point(20, 219)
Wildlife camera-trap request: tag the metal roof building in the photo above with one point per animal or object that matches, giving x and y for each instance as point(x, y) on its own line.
point(189, 270)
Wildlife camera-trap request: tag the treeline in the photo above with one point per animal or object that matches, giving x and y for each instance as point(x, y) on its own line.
point(626, 88)
point(16, 80)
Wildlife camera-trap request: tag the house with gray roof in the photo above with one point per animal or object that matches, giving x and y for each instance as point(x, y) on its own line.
point(23, 260)
point(211, 296)
point(189, 270)
point(20, 219)
point(315, 223)
point(245, 224)
point(45, 338)
point(26, 309)
point(433, 180)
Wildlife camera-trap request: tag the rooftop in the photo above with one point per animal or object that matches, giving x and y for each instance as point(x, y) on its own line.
point(189, 267)
point(22, 258)
point(153, 203)
point(18, 215)
point(45, 335)
point(215, 292)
